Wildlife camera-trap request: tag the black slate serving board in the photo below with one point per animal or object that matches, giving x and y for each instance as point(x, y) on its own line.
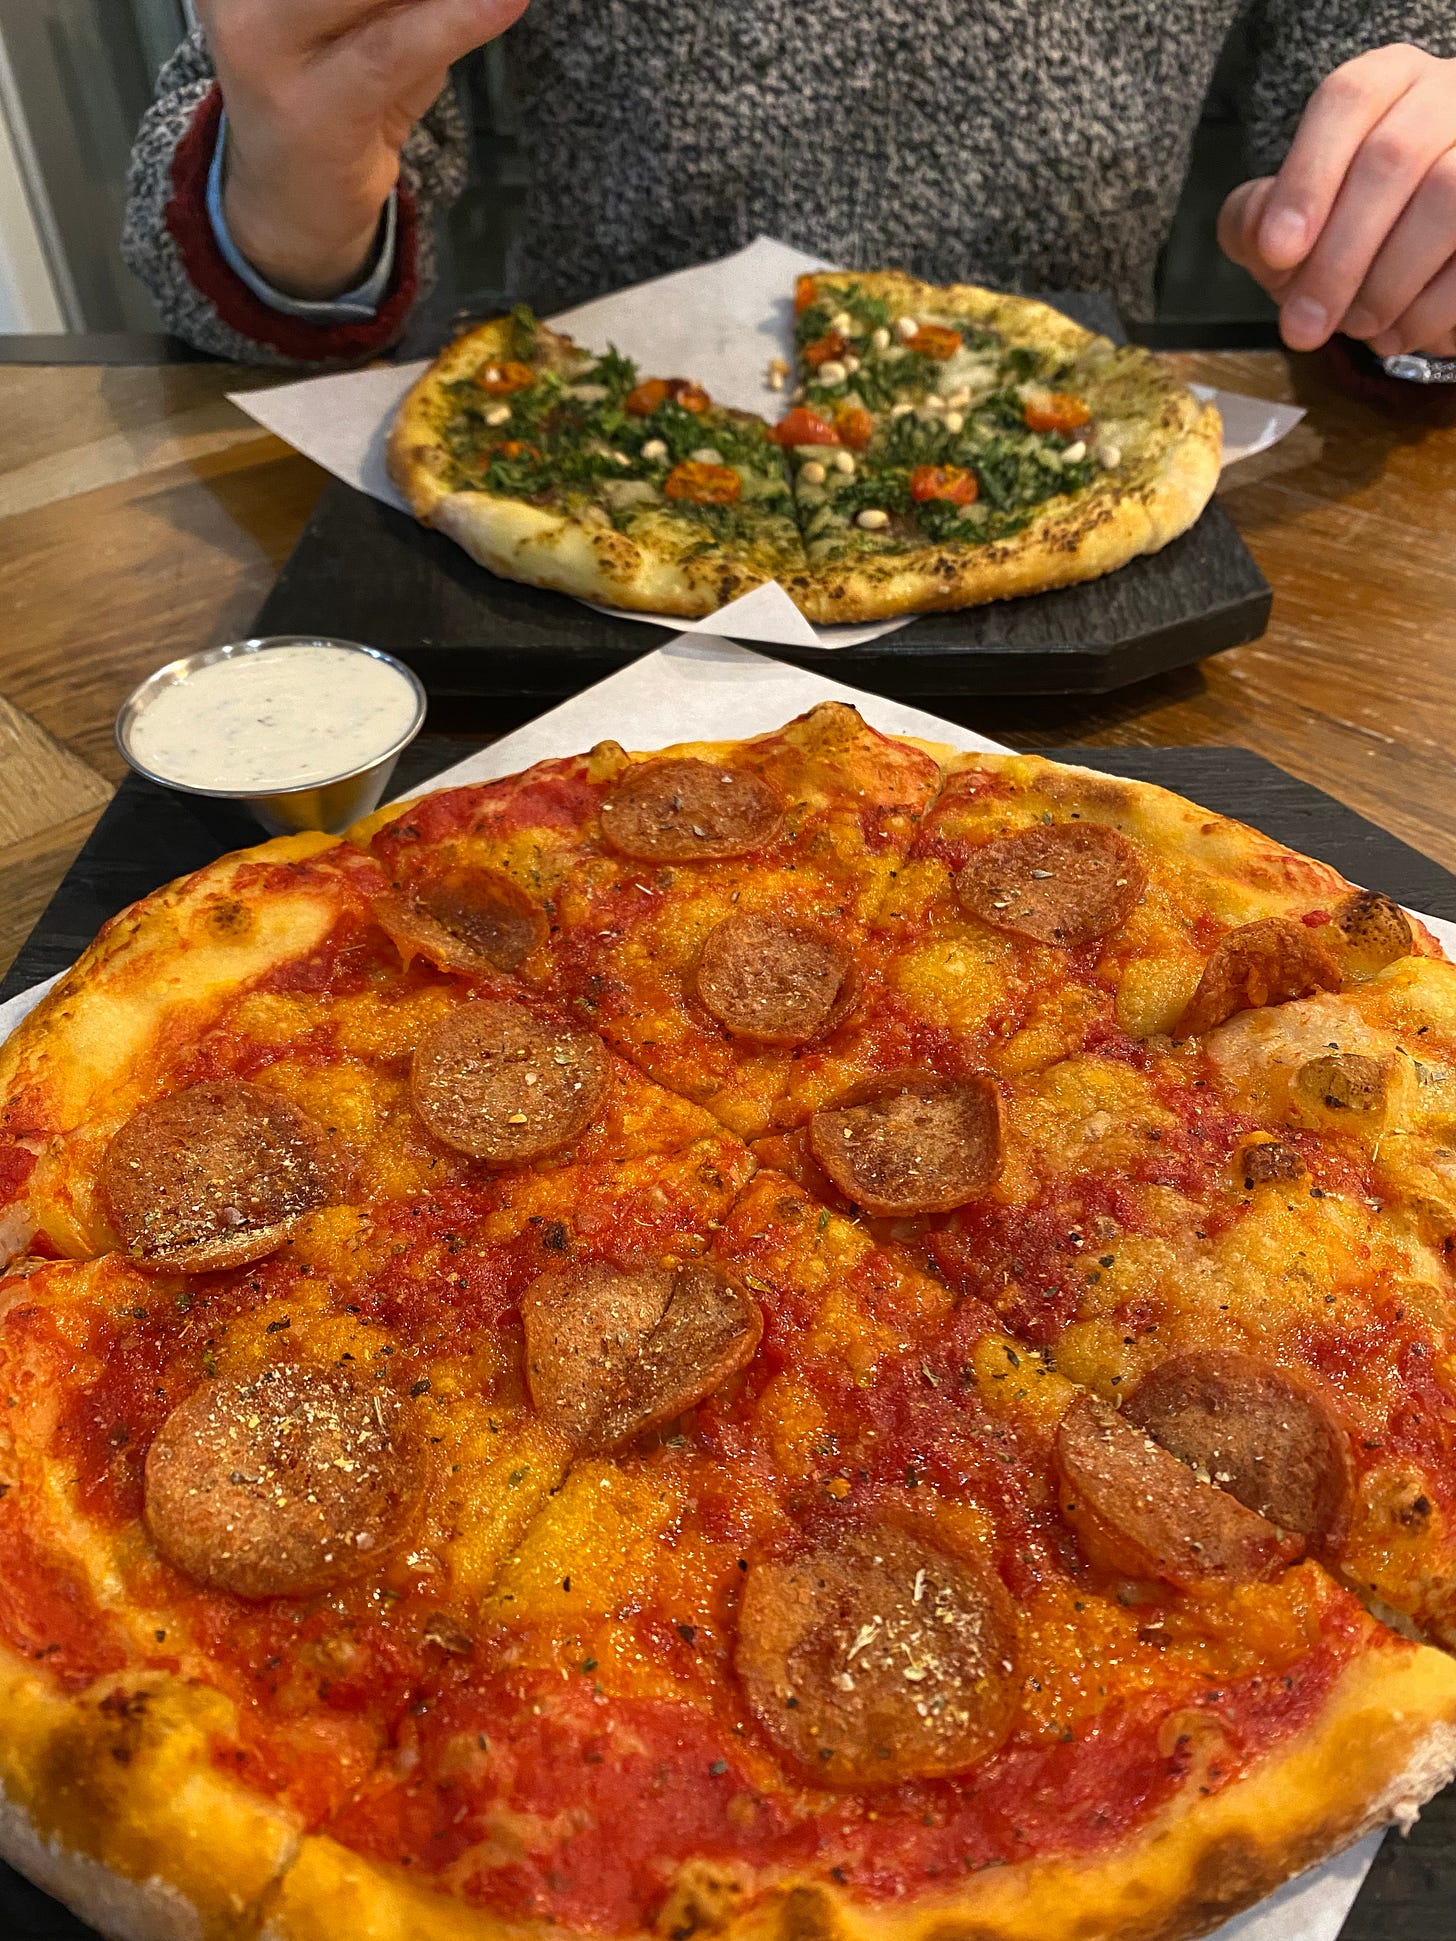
point(363, 571)
point(148, 835)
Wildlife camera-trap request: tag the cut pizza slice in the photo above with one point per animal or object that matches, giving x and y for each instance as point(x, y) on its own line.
point(707, 909)
point(249, 1516)
point(893, 1629)
point(247, 1062)
point(567, 470)
point(952, 445)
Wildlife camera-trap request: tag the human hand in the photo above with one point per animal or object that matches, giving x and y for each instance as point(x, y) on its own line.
point(321, 96)
point(1357, 231)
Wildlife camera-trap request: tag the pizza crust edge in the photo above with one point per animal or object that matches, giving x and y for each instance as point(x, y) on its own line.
point(1383, 1744)
point(169, 1847)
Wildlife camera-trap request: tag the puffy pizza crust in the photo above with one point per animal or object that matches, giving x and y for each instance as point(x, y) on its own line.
point(109, 1800)
point(1383, 1744)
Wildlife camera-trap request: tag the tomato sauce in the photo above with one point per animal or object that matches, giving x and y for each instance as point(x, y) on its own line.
point(47, 1612)
point(554, 795)
point(16, 1167)
point(584, 1801)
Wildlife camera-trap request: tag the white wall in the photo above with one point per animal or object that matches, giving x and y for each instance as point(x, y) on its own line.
point(29, 300)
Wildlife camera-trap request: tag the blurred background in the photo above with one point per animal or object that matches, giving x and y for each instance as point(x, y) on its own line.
point(76, 75)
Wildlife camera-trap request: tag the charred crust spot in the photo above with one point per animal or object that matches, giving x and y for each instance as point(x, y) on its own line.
point(912, 1144)
point(1374, 930)
point(681, 811)
point(612, 1354)
point(213, 1177)
point(807, 1914)
point(875, 1659)
point(282, 1486)
point(704, 1898)
point(774, 980)
point(506, 1085)
point(1271, 961)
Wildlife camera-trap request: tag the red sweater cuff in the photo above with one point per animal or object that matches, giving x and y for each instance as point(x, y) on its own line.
point(208, 271)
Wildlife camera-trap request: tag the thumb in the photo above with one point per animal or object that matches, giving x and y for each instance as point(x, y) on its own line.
point(404, 44)
point(1238, 223)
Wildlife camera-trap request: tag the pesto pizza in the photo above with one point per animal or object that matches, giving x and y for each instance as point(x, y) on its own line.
point(801, 1337)
point(944, 447)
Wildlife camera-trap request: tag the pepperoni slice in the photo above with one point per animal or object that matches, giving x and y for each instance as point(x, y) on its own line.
point(1063, 883)
point(213, 1177)
point(875, 1659)
point(494, 1080)
point(610, 1355)
point(1266, 1439)
point(1139, 1510)
point(1268, 962)
point(484, 917)
point(282, 1486)
point(1373, 930)
point(684, 811)
point(915, 1145)
point(780, 982)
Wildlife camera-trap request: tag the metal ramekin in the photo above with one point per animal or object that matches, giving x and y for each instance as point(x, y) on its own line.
point(330, 805)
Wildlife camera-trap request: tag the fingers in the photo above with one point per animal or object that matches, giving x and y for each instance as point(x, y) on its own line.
point(1238, 235)
point(1412, 255)
point(1238, 222)
point(1343, 110)
point(260, 27)
point(1391, 167)
point(1428, 324)
point(395, 53)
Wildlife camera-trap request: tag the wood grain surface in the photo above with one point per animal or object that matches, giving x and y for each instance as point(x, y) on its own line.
point(142, 516)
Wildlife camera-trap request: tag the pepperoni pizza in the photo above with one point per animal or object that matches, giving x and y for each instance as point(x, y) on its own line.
point(795, 1338)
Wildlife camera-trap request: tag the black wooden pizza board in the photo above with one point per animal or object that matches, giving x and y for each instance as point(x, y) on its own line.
point(363, 571)
point(148, 835)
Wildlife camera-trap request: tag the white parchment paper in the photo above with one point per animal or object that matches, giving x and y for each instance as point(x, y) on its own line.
point(721, 323)
point(701, 688)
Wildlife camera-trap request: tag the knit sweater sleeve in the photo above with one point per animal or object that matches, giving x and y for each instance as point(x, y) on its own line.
point(169, 242)
point(1296, 43)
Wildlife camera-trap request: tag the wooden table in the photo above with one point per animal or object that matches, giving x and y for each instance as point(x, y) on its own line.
point(143, 516)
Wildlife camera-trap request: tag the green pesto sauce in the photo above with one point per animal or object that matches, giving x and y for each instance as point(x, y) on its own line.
point(577, 447)
point(1018, 470)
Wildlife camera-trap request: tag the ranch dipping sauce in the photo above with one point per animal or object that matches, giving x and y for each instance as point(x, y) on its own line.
point(281, 718)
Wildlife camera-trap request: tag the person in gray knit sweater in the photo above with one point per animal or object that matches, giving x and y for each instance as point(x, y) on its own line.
point(287, 179)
